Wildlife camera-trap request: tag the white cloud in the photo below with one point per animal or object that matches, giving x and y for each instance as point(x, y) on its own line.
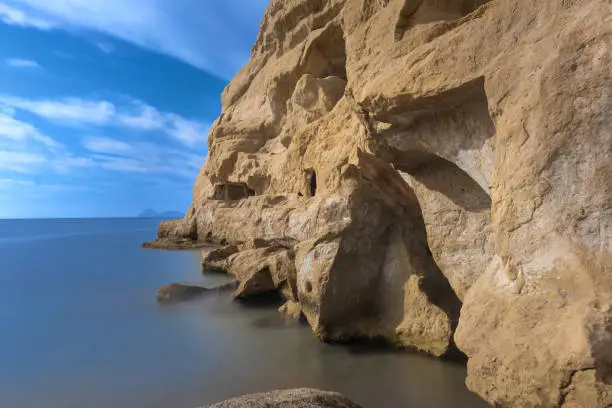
point(14, 129)
point(20, 162)
point(188, 132)
point(122, 164)
point(67, 110)
point(6, 110)
point(106, 145)
point(11, 128)
point(143, 157)
point(145, 118)
point(28, 151)
point(137, 115)
point(216, 36)
point(22, 63)
point(66, 162)
point(15, 16)
point(19, 186)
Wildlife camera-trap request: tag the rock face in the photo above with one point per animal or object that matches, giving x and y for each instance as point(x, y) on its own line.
point(298, 398)
point(428, 172)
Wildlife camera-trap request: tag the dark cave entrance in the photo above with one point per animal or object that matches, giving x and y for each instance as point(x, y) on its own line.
point(311, 183)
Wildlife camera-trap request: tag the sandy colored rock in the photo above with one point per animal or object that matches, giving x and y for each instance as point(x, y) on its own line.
point(297, 398)
point(432, 171)
point(259, 270)
point(216, 259)
point(175, 244)
point(292, 309)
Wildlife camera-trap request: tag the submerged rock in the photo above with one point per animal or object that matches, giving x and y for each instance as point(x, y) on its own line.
point(297, 398)
point(175, 244)
point(177, 292)
point(428, 172)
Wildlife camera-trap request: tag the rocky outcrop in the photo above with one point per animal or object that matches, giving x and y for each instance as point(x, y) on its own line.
point(292, 309)
point(428, 172)
point(301, 397)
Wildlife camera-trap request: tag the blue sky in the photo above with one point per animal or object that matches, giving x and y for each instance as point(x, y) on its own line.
point(105, 105)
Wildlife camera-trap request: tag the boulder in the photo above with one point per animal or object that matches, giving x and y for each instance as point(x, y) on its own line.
point(216, 259)
point(297, 398)
point(291, 309)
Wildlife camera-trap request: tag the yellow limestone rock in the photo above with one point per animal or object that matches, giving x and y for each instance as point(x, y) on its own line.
point(432, 169)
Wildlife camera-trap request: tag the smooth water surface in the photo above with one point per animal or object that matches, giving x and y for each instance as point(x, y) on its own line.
point(80, 328)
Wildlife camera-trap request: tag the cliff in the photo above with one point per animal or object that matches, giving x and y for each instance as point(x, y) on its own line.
point(431, 172)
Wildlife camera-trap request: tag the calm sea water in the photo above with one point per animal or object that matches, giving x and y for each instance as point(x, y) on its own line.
point(80, 327)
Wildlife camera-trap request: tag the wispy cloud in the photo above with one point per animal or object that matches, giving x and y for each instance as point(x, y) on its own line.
point(143, 157)
point(20, 162)
point(186, 131)
point(11, 128)
point(137, 115)
point(106, 145)
point(105, 47)
point(20, 186)
point(67, 110)
point(28, 151)
point(216, 36)
point(22, 63)
point(14, 16)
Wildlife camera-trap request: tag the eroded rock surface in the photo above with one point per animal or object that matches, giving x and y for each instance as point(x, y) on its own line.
point(298, 398)
point(428, 171)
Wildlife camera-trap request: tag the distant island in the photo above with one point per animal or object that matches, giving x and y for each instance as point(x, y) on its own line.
point(166, 214)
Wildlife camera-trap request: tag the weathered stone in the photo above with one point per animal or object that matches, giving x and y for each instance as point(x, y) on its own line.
point(258, 270)
point(177, 292)
point(292, 309)
point(175, 244)
point(216, 259)
point(298, 398)
point(407, 156)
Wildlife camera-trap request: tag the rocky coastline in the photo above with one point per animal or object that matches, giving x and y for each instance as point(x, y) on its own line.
point(433, 173)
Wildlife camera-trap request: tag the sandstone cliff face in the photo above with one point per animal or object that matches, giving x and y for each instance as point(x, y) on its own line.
point(428, 171)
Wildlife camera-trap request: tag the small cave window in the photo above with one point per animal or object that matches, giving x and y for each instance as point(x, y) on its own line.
point(327, 55)
point(308, 286)
point(312, 182)
point(232, 191)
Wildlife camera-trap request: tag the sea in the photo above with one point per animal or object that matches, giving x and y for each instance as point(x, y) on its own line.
point(80, 327)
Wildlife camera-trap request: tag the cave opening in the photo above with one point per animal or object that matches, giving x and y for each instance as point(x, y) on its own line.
point(443, 155)
point(327, 55)
point(313, 183)
point(232, 191)
point(414, 13)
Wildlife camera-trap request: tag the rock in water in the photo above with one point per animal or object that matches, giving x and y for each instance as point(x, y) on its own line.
point(428, 171)
point(291, 309)
point(298, 398)
point(176, 292)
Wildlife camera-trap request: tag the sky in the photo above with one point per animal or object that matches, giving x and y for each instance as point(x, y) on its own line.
point(105, 105)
